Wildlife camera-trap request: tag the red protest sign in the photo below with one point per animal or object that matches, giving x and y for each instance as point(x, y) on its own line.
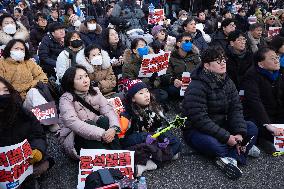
point(14, 164)
point(186, 79)
point(279, 140)
point(92, 160)
point(273, 31)
point(154, 63)
point(157, 17)
point(46, 113)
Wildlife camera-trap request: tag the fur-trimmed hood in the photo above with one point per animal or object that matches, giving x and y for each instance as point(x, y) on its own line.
point(129, 58)
point(81, 59)
point(21, 33)
point(84, 29)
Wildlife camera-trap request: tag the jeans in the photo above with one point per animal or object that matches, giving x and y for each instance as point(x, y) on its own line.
point(211, 147)
point(138, 138)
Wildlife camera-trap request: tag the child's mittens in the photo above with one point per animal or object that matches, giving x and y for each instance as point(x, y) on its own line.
point(150, 139)
point(164, 144)
point(36, 156)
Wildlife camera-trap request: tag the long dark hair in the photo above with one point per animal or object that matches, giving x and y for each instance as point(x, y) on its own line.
point(15, 105)
point(67, 82)
point(105, 39)
point(7, 49)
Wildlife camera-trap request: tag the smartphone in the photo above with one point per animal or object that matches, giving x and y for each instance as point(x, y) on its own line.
point(106, 176)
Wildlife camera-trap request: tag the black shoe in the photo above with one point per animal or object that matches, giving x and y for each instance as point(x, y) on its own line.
point(229, 166)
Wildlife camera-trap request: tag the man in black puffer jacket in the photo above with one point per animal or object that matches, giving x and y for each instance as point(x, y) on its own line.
point(216, 125)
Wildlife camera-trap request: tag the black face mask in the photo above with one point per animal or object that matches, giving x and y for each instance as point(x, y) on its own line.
point(76, 43)
point(5, 101)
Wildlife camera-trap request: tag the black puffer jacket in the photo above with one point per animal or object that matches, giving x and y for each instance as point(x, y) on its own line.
point(219, 39)
point(212, 106)
point(48, 52)
point(264, 98)
point(25, 127)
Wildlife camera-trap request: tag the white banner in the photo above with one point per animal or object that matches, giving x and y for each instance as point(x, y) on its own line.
point(279, 140)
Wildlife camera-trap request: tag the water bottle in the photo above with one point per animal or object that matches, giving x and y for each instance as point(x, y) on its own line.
point(142, 183)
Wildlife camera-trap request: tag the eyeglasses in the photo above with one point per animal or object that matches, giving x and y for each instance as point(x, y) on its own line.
point(271, 18)
point(184, 14)
point(220, 60)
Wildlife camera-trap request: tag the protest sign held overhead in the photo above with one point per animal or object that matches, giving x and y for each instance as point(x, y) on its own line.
point(154, 63)
point(273, 31)
point(46, 113)
point(157, 17)
point(185, 82)
point(14, 164)
point(94, 159)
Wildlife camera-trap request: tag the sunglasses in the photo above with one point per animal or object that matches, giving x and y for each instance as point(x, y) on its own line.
point(187, 41)
point(271, 18)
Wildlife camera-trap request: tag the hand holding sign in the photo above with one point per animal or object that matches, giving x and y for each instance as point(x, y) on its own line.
point(277, 130)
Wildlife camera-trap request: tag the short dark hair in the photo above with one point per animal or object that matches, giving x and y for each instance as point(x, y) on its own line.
point(254, 26)
point(7, 49)
point(187, 21)
point(89, 48)
point(67, 82)
point(276, 43)
point(235, 34)
point(40, 15)
point(211, 54)
point(6, 15)
point(108, 7)
point(55, 26)
point(227, 22)
point(198, 12)
point(225, 11)
point(259, 56)
point(180, 37)
point(135, 42)
point(68, 37)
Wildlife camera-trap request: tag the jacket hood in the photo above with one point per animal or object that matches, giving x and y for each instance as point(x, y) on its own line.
point(84, 29)
point(21, 33)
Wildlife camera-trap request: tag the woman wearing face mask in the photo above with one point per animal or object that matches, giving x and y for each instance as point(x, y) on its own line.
point(18, 124)
point(87, 119)
point(90, 31)
point(22, 72)
point(184, 58)
point(11, 29)
point(132, 59)
point(70, 56)
point(99, 68)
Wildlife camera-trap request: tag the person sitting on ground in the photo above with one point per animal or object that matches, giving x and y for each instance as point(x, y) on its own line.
point(160, 38)
point(18, 14)
point(87, 119)
point(144, 117)
point(239, 59)
point(98, 64)
point(50, 47)
point(184, 58)
point(90, 31)
point(242, 21)
point(11, 29)
point(255, 39)
point(219, 38)
point(216, 125)
point(54, 16)
point(18, 124)
point(277, 44)
point(70, 56)
point(263, 102)
point(176, 28)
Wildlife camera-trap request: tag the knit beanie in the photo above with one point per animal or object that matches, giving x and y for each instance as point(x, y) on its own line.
point(133, 86)
point(157, 29)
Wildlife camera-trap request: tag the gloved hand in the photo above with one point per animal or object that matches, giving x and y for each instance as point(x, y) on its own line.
point(36, 156)
point(150, 139)
point(164, 144)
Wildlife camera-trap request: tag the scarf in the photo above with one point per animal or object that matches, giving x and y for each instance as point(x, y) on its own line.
point(72, 56)
point(254, 42)
point(241, 55)
point(219, 78)
point(271, 76)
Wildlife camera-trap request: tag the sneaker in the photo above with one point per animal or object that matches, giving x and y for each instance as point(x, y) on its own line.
point(254, 152)
point(150, 165)
point(229, 166)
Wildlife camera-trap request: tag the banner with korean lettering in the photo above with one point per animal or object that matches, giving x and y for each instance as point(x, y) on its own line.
point(273, 31)
point(117, 105)
point(46, 113)
point(154, 63)
point(157, 17)
point(95, 159)
point(14, 164)
point(279, 140)
point(185, 82)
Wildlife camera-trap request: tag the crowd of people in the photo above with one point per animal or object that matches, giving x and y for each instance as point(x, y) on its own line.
point(80, 54)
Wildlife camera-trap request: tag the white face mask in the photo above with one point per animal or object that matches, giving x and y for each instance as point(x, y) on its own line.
point(54, 1)
point(10, 29)
point(92, 26)
point(77, 23)
point(49, 5)
point(183, 18)
point(17, 55)
point(97, 60)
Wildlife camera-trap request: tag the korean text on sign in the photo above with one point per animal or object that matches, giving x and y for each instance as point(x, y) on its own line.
point(14, 164)
point(279, 140)
point(94, 159)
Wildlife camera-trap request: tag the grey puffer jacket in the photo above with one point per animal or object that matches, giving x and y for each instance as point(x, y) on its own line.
point(213, 106)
